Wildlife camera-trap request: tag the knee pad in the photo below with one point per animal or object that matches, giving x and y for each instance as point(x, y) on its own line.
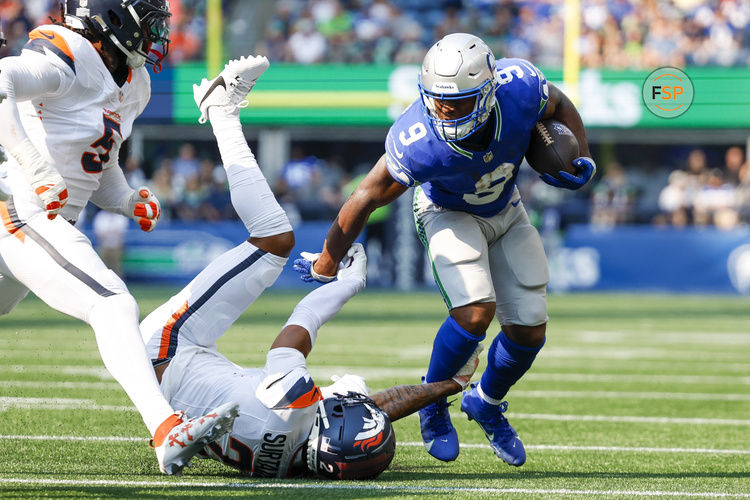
point(532, 311)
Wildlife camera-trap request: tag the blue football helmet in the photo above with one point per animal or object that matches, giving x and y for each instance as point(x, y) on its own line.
point(132, 25)
point(351, 439)
point(459, 66)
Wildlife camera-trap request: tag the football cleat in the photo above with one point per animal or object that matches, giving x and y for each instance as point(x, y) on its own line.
point(177, 439)
point(231, 86)
point(503, 439)
point(439, 435)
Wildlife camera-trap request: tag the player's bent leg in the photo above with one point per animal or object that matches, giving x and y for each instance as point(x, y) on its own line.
point(202, 311)
point(278, 244)
point(507, 362)
point(519, 269)
point(457, 248)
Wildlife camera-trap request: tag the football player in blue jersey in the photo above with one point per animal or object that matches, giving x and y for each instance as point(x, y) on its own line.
point(461, 145)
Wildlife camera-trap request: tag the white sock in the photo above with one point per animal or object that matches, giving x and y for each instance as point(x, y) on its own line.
point(485, 397)
point(115, 323)
point(251, 195)
point(322, 304)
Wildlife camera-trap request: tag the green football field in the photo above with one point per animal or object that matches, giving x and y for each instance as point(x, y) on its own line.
point(632, 396)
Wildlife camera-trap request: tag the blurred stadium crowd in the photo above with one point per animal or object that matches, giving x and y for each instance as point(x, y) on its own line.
point(615, 33)
point(702, 186)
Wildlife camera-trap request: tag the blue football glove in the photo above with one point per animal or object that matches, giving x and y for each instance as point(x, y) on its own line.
point(585, 170)
point(304, 266)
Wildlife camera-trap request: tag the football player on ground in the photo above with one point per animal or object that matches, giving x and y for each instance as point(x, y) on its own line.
point(287, 425)
point(70, 99)
point(462, 144)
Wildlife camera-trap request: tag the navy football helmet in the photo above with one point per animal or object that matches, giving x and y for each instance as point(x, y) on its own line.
point(351, 439)
point(132, 25)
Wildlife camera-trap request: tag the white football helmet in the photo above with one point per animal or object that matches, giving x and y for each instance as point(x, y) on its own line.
point(458, 66)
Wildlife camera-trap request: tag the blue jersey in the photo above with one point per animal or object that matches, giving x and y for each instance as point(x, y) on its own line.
point(478, 182)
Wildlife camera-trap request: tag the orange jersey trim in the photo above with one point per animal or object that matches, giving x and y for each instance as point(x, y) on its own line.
point(308, 399)
point(53, 38)
point(166, 332)
point(13, 227)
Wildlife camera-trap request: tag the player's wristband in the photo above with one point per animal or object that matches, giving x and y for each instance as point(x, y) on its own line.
point(320, 277)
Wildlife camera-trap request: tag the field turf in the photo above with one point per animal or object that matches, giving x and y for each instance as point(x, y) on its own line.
point(632, 396)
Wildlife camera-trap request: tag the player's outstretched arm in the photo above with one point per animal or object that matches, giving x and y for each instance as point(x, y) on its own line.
point(377, 189)
point(403, 400)
point(562, 109)
point(324, 303)
point(22, 79)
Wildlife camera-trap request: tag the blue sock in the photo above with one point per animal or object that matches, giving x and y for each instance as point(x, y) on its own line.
point(506, 363)
point(451, 350)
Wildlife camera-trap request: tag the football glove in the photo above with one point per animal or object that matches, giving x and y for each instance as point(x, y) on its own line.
point(344, 385)
point(46, 182)
point(354, 265)
point(464, 374)
point(585, 170)
point(143, 207)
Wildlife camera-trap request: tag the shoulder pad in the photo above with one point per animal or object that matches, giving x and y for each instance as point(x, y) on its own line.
point(294, 389)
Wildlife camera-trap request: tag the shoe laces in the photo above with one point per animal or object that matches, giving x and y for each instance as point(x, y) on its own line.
point(501, 424)
point(437, 419)
point(240, 89)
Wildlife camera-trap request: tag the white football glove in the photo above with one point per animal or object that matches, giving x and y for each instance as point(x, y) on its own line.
point(342, 385)
point(143, 207)
point(464, 374)
point(354, 265)
point(46, 182)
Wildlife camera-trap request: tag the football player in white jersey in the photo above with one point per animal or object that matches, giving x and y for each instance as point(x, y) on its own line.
point(69, 100)
point(287, 425)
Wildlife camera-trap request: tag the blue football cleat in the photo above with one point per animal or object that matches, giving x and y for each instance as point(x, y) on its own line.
point(439, 435)
point(503, 438)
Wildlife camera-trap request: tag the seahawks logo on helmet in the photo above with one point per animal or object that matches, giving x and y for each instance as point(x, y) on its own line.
point(133, 26)
point(351, 439)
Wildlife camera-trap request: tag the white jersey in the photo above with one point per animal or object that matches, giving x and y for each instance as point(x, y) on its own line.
point(80, 127)
point(277, 406)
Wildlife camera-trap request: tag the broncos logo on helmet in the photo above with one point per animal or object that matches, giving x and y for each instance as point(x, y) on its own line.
point(351, 439)
point(133, 26)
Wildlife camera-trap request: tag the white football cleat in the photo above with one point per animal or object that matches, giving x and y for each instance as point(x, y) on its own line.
point(231, 86)
point(177, 439)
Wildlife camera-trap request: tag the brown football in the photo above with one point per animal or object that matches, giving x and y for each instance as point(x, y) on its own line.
point(552, 148)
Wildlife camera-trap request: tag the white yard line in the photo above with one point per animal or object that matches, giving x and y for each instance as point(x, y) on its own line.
point(690, 396)
point(540, 447)
point(46, 404)
point(371, 487)
point(641, 378)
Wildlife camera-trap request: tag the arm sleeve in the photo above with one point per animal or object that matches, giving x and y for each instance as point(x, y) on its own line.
point(322, 304)
point(22, 78)
point(113, 188)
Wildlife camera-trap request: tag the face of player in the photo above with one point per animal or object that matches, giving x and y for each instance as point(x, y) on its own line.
point(453, 109)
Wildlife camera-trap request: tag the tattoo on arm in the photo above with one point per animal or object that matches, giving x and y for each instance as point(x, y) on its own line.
point(403, 400)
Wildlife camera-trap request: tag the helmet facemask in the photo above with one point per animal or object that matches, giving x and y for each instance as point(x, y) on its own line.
point(133, 26)
point(452, 130)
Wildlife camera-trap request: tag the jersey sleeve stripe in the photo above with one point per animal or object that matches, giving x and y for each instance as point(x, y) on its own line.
point(41, 39)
